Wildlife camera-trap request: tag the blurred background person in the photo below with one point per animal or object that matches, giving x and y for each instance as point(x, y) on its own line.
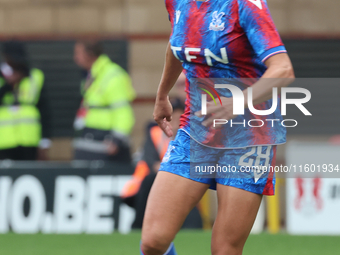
point(24, 110)
point(105, 118)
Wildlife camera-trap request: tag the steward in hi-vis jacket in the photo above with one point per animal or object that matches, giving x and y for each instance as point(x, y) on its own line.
point(105, 118)
point(21, 107)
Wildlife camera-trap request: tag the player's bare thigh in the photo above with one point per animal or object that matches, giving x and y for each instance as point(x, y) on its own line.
point(171, 199)
point(237, 210)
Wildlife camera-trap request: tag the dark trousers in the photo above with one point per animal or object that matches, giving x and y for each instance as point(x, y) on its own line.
point(19, 153)
point(193, 220)
point(122, 156)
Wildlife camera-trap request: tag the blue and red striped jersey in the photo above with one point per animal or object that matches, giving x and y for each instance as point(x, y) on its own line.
point(225, 39)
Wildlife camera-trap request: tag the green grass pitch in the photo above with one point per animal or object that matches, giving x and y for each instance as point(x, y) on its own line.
point(187, 243)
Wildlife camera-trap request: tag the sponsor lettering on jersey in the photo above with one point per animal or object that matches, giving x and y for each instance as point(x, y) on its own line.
point(208, 54)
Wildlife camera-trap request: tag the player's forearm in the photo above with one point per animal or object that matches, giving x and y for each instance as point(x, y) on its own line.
point(278, 75)
point(172, 69)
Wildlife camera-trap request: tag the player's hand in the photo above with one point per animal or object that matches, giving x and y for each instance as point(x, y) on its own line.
point(224, 111)
point(43, 154)
point(112, 148)
point(163, 115)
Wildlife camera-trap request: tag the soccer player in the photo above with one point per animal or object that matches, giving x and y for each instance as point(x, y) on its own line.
point(216, 39)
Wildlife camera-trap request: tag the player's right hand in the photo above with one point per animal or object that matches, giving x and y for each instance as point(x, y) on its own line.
point(163, 115)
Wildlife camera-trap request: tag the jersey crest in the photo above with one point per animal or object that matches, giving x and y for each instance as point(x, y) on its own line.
point(216, 23)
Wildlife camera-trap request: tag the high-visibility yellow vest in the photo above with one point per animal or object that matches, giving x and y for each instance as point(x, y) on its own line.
point(19, 117)
point(108, 98)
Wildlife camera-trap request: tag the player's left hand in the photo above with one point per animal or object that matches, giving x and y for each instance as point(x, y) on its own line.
point(112, 148)
point(163, 115)
point(43, 154)
point(224, 111)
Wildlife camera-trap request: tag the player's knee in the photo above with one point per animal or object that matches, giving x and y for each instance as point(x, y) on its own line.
point(232, 247)
point(153, 246)
point(230, 250)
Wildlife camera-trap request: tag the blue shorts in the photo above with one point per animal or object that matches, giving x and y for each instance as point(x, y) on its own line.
point(249, 168)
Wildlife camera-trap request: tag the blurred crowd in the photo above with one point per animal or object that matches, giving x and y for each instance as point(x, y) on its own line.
point(103, 122)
